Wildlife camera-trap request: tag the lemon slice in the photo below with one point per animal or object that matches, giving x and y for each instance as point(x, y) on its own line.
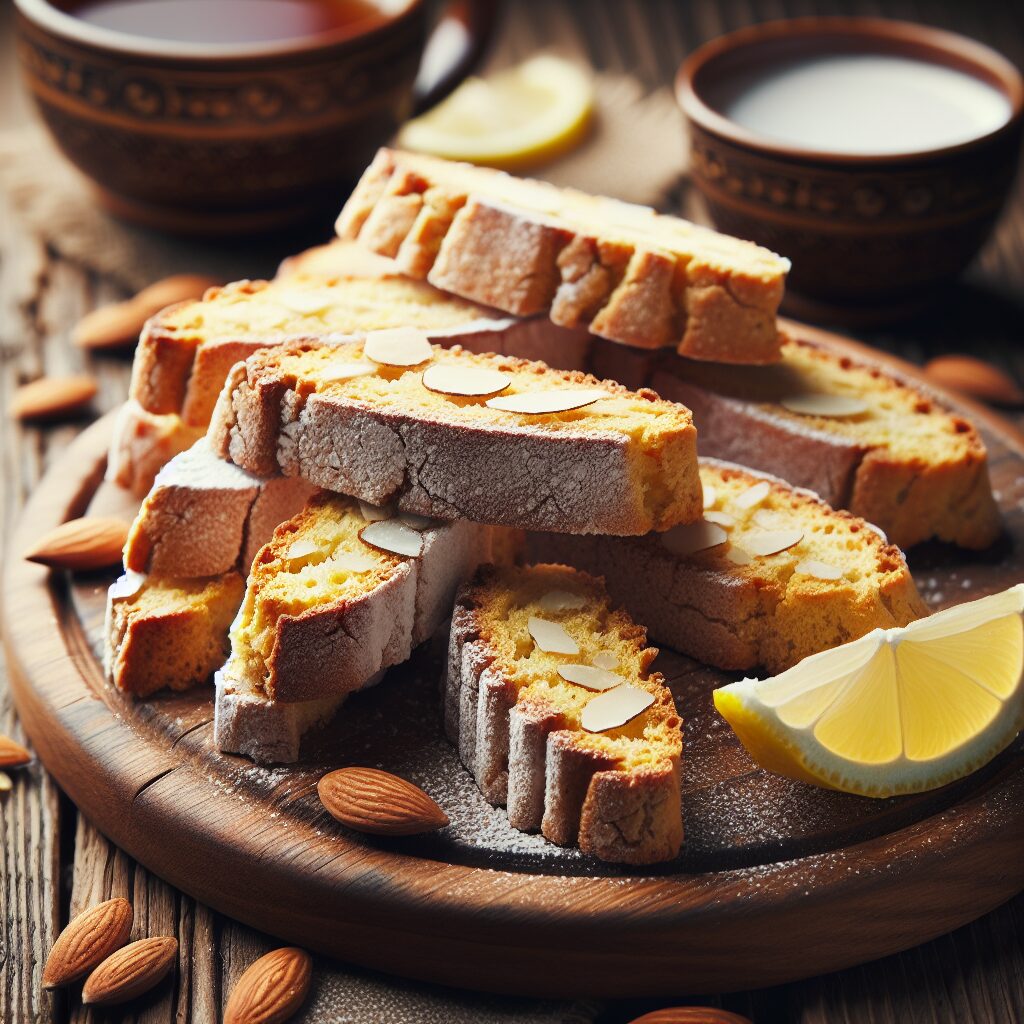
point(897, 711)
point(515, 119)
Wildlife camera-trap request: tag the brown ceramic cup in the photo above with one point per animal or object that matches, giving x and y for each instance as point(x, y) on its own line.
point(870, 237)
point(205, 139)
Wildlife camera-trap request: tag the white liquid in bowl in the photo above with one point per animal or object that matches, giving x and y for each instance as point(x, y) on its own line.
point(865, 104)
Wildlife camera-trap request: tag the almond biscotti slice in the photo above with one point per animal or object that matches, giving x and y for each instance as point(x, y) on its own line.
point(865, 440)
point(186, 350)
point(527, 247)
point(770, 575)
point(204, 516)
point(168, 633)
point(447, 433)
point(553, 706)
point(340, 593)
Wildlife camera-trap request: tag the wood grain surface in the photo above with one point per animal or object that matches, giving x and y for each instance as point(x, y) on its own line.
point(54, 860)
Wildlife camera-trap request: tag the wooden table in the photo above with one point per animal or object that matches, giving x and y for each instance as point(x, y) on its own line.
point(53, 859)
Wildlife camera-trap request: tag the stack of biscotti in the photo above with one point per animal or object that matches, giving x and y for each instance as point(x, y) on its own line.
point(331, 294)
point(863, 439)
point(552, 703)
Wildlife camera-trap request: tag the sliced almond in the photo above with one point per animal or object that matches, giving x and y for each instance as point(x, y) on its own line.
point(87, 941)
point(720, 518)
point(771, 542)
point(551, 637)
point(465, 381)
point(819, 570)
point(819, 403)
point(689, 538)
point(130, 971)
point(615, 707)
point(590, 676)
point(126, 586)
point(302, 552)
point(738, 556)
point(605, 659)
point(398, 346)
point(770, 519)
point(394, 537)
point(561, 601)
point(418, 522)
point(121, 323)
point(374, 513)
point(93, 542)
point(334, 373)
point(354, 561)
point(753, 495)
point(544, 403)
point(51, 398)
point(12, 753)
point(271, 989)
point(306, 302)
point(379, 803)
point(710, 496)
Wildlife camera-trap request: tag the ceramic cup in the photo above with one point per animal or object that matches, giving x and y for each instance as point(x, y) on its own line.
point(870, 237)
point(204, 138)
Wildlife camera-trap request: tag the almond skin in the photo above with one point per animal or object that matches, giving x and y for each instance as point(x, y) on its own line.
point(130, 971)
point(121, 323)
point(691, 1015)
point(271, 989)
point(377, 802)
point(89, 543)
point(12, 754)
point(51, 398)
point(975, 378)
point(87, 941)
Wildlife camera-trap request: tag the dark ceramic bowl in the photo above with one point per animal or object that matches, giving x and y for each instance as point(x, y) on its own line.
point(205, 138)
point(870, 237)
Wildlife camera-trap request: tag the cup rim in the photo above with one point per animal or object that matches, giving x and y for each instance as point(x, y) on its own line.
point(49, 18)
point(944, 47)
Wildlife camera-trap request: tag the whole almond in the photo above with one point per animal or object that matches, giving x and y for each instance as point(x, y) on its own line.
point(51, 398)
point(92, 542)
point(271, 989)
point(374, 801)
point(130, 971)
point(974, 378)
point(691, 1015)
point(6, 783)
point(87, 941)
point(120, 323)
point(12, 754)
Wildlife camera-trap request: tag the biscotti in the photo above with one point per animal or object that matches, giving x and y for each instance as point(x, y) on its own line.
point(185, 351)
point(168, 633)
point(452, 434)
point(527, 247)
point(553, 706)
point(769, 576)
point(204, 516)
point(865, 440)
point(341, 592)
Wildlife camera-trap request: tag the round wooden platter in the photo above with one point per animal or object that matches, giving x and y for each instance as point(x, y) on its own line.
point(778, 880)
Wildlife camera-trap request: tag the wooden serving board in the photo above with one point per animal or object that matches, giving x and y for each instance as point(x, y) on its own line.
point(778, 880)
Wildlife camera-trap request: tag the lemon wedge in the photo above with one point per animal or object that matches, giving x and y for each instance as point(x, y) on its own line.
point(897, 711)
point(514, 119)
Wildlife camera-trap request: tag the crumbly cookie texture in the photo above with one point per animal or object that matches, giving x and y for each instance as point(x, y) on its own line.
point(600, 769)
point(770, 576)
point(326, 610)
point(205, 516)
point(621, 463)
point(168, 633)
point(900, 461)
point(527, 247)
